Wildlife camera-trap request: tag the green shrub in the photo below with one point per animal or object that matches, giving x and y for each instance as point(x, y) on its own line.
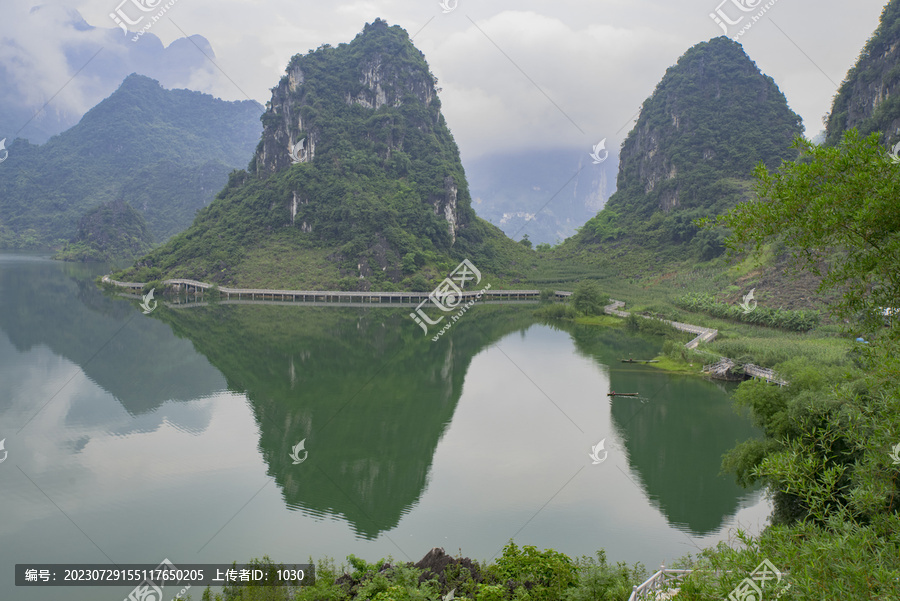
point(797, 321)
point(489, 592)
point(588, 299)
point(541, 575)
point(599, 581)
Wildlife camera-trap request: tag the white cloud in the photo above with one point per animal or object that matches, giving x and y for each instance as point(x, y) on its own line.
point(597, 61)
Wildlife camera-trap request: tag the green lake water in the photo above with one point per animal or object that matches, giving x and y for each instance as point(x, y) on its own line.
point(132, 438)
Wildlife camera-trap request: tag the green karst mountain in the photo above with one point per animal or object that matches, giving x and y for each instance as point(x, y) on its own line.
point(712, 118)
point(356, 182)
point(869, 97)
point(109, 231)
point(164, 152)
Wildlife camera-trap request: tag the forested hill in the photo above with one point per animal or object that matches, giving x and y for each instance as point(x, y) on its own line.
point(356, 182)
point(869, 97)
point(108, 232)
point(164, 152)
point(711, 119)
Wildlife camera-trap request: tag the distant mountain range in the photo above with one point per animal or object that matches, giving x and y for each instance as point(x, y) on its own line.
point(40, 93)
point(545, 193)
point(356, 182)
point(165, 152)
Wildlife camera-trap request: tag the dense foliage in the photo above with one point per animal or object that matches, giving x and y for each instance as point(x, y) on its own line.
point(837, 204)
point(376, 194)
point(692, 151)
point(519, 574)
point(829, 454)
point(166, 152)
point(112, 230)
point(798, 321)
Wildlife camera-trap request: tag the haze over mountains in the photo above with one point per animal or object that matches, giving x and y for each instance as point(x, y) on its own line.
point(356, 177)
point(710, 120)
point(165, 152)
point(36, 108)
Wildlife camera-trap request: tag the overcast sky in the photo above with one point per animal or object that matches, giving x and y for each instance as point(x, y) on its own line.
point(515, 74)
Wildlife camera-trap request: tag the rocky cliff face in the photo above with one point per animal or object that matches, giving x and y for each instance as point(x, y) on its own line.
point(869, 98)
point(714, 112)
point(712, 118)
point(386, 87)
point(356, 172)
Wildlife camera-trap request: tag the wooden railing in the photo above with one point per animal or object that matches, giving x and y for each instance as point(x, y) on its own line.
point(704, 335)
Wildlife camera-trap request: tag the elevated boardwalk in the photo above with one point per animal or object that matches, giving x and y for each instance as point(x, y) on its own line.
point(703, 334)
point(332, 296)
point(721, 369)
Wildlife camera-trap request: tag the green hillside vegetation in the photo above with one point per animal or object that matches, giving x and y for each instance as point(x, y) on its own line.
point(165, 152)
point(712, 118)
point(831, 435)
point(367, 204)
point(114, 230)
point(869, 97)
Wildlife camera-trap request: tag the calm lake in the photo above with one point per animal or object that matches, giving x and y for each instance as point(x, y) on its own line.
point(132, 438)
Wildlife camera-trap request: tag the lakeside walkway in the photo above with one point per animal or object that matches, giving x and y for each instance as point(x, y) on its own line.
point(723, 367)
point(340, 298)
point(332, 296)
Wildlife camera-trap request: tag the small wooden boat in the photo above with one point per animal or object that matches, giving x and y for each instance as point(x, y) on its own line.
point(614, 393)
point(640, 360)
